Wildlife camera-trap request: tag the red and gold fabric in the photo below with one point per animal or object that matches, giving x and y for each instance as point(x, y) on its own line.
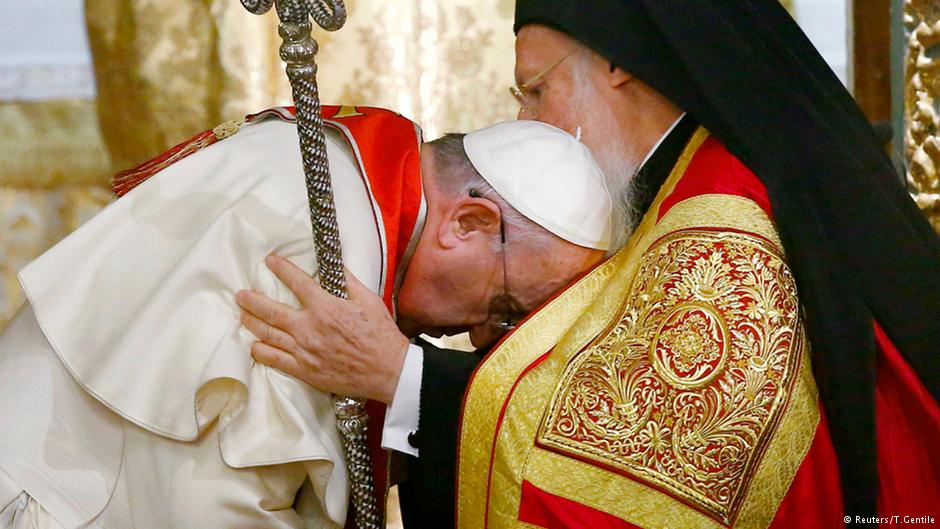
point(671, 386)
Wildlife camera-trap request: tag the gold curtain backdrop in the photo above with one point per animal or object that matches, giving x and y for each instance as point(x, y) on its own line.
point(53, 171)
point(168, 69)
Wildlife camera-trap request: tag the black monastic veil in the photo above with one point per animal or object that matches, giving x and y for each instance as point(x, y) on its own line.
point(859, 248)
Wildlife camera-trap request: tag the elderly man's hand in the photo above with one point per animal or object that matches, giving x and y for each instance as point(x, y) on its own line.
point(349, 347)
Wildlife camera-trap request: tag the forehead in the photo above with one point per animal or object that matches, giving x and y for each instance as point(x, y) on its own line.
point(427, 162)
point(536, 44)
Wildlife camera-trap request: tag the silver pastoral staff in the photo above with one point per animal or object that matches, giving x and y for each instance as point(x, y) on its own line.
point(298, 51)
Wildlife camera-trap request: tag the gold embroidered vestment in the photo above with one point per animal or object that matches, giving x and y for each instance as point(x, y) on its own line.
point(671, 386)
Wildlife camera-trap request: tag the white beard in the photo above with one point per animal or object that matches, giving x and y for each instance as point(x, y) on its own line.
point(624, 214)
point(613, 158)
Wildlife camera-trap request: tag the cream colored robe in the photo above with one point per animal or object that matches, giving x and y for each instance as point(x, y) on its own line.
point(128, 397)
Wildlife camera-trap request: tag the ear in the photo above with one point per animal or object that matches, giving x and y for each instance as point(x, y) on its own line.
point(617, 77)
point(468, 219)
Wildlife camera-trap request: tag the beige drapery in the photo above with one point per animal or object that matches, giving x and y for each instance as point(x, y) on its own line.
point(168, 69)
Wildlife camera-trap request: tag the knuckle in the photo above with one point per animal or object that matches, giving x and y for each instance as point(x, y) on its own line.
point(296, 320)
point(269, 313)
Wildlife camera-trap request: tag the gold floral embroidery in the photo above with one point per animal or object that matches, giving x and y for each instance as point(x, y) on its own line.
point(686, 390)
point(690, 347)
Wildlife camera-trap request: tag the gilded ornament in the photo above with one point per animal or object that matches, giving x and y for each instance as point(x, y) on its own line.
point(690, 348)
point(921, 102)
point(226, 129)
point(685, 392)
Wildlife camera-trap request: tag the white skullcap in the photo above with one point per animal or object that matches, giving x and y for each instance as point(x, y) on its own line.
point(548, 176)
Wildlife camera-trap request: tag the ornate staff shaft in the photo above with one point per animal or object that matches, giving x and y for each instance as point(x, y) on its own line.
point(298, 51)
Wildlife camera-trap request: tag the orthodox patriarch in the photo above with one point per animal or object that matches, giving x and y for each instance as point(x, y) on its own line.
point(764, 351)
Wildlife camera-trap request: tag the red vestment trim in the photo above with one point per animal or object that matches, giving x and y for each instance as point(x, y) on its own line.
point(549, 511)
point(714, 170)
point(388, 149)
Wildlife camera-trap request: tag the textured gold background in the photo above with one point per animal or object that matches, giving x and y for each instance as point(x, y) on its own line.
point(168, 69)
point(921, 104)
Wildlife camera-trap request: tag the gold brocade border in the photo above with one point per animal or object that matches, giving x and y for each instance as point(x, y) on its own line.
point(722, 211)
point(491, 385)
point(646, 507)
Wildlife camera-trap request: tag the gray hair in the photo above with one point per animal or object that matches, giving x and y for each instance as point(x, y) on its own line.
point(456, 177)
point(610, 156)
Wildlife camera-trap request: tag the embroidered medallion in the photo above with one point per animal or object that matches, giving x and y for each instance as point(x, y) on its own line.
point(687, 386)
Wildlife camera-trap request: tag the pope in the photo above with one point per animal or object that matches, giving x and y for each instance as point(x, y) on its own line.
point(127, 394)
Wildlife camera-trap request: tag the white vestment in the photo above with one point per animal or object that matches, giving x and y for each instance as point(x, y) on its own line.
point(128, 397)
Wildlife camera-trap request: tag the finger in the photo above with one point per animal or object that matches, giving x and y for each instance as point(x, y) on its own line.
point(278, 359)
point(355, 289)
point(299, 282)
point(268, 333)
point(273, 312)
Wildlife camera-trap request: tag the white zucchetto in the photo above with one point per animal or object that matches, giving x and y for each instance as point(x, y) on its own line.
point(548, 176)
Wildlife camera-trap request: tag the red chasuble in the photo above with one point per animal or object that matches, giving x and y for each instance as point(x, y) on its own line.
point(672, 386)
point(386, 147)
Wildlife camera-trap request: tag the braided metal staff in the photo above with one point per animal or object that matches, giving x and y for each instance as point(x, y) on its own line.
point(298, 50)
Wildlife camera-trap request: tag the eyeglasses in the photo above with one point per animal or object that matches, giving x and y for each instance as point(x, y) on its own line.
point(507, 322)
point(523, 92)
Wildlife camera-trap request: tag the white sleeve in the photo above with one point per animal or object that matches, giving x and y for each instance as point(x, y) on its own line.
point(401, 417)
